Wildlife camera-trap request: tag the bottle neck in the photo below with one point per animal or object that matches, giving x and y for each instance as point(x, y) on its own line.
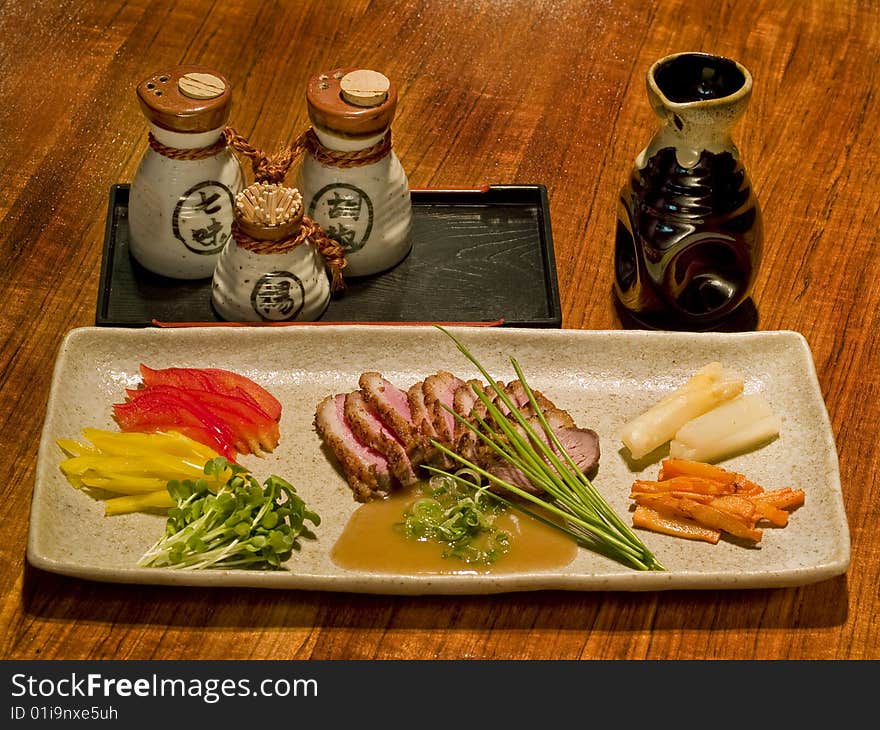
point(186, 140)
point(339, 143)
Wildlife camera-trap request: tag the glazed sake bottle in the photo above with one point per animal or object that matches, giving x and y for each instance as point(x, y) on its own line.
point(689, 229)
point(180, 207)
point(352, 182)
point(272, 269)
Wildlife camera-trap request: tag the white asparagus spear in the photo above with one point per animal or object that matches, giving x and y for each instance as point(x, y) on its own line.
point(709, 387)
point(740, 425)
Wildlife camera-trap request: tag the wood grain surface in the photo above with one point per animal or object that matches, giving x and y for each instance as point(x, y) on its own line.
point(499, 91)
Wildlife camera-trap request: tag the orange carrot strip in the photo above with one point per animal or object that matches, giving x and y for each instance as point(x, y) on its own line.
point(771, 513)
point(672, 467)
point(738, 507)
point(700, 485)
point(665, 504)
point(648, 519)
point(743, 486)
point(717, 519)
point(784, 498)
point(646, 497)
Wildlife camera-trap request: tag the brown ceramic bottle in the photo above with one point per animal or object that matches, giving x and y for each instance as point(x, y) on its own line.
point(689, 230)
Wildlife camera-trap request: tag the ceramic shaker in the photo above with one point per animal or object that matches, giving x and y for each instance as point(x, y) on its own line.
point(351, 180)
point(689, 230)
point(272, 269)
point(180, 206)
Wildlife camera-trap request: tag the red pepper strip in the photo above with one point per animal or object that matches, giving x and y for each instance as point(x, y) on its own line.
point(154, 410)
point(217, 381)
point(254, 431)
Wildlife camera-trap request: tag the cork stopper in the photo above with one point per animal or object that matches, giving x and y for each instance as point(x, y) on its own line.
point(364, 87)
point(353, 102)
point(269, 212)
point(186, 99)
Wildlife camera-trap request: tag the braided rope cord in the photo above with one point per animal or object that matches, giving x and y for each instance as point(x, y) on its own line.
point(175, 153)
point(267, 168)
point(354, 158)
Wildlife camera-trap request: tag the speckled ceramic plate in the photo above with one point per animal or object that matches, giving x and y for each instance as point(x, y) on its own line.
point(602, 377)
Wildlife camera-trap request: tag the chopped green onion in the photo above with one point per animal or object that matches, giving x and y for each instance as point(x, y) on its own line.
point(458, 514)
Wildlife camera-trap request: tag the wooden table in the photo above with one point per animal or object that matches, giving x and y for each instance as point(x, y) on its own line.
point(491, 92)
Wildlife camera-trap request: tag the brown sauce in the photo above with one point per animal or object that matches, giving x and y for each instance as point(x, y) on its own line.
point(370, 543)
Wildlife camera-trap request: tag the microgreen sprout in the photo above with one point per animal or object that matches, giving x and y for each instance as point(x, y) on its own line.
point(239, 525)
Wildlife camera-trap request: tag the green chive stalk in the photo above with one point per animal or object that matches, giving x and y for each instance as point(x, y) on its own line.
point(545, 462)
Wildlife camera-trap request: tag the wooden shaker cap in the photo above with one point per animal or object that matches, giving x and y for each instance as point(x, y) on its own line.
point(186, 98)
point(353, 102)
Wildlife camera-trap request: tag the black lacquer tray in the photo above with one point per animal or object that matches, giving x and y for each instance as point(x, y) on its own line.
point(478, 256)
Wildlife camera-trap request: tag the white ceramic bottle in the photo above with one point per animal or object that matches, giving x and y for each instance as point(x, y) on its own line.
point(366, 207)
point(180, 207)
point(270, 271)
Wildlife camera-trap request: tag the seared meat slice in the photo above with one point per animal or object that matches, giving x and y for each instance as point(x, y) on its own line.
point(582, 444)
point(366, 424)
point(469, 445)
point(463, 401)
point(418, 411)
point(439, 390)
point(423, 424)
point(392, 405)
point(556, 418)
point(518, 395)
point(466, 441)
point(365, 469)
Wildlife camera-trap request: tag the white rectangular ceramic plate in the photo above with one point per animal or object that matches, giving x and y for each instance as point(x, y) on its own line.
point(602, 378)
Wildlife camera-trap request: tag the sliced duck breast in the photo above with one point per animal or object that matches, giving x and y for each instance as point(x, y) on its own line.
point(469, 444)
point(518, 395)
point(365, 469)
point(367, 425)
point(421, 420)
point(439, 390)
point(556, 417)
point(582, 444)
point(392, 405)
point(382, 435)
point(423, 424)
point(480, 409)
point(466, 440)
point(463, 401)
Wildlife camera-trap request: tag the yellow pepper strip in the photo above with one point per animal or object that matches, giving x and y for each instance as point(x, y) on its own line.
point(136, 465)
point(122, 484)
point(119, 443)
point(138, 502)
point(74, 448)
point(171, 466)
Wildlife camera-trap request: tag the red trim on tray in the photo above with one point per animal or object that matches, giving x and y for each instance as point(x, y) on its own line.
point(171, 325)
point(445, 189)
